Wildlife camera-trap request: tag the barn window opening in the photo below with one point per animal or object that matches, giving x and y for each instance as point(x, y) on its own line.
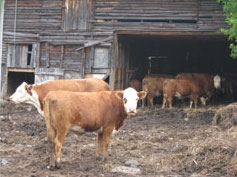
point(29, 54)
point(21, 56)
point(16, 78)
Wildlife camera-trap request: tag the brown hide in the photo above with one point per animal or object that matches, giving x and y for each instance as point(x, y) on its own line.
point(136, 84)
point(204, 80)
point(184, 88)
point(102, 111)
point(153, 85)
point(73, 85)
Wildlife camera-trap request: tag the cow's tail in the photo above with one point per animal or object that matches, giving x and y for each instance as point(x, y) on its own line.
point(51, 131)
point(165, 95)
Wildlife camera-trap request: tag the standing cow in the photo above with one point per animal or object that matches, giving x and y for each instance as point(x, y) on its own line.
point(153, 85)
point(103, 112)
point(207, 83)
point(181, 89)
point(34, 94)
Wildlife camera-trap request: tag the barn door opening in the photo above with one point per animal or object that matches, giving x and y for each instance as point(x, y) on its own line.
point(15, 78)
point(137, 54)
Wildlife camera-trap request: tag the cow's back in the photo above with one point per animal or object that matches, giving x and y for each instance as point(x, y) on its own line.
point(203, 80)
point(73, 85)
point(136, 84)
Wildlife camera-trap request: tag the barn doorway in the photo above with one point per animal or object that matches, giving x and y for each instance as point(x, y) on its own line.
point(142, 53)
point(15, 78)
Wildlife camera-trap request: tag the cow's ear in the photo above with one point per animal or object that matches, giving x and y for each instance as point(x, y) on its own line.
point(141, 95)
point(28, 88)
point(120, 94)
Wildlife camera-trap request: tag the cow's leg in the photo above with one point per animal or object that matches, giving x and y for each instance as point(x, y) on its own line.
point(58, 142)
point(51, 136)
point(106, 140)
point(191, 103)
point(150, 100)
point(99, 144)
point(164, 102)
point(170, 99)
point(195, 99)
point(143, 102)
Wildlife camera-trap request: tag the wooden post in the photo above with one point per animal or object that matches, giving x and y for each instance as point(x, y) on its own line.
point(47, 55)
point(83, 63)
point(37, 59)
point(62, 56)
point(113, 62)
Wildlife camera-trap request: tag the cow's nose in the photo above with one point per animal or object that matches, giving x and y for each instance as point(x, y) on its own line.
point(132, 110)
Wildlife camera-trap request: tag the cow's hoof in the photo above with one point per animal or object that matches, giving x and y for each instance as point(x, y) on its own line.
point(57, 166)
point(104, 159)
point(98, 158)
point(51, 168)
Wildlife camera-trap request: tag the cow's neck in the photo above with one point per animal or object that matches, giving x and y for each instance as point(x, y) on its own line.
point(34, 100)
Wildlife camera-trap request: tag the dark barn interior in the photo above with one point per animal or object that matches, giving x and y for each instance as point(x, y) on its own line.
point(16, 78)
point(170, 54)
point(142, 54)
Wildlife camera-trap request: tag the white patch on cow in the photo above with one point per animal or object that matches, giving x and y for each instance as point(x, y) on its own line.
point(178, 95)
point(99, 130)
point(22, 96)
point(77, 130)
point(217, 81)
point(131, 97)
point(203, 101)
point(114, 133)
point(191, 104)
point(157, 93)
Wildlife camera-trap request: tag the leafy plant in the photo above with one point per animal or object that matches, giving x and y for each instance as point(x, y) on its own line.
point(230, 8)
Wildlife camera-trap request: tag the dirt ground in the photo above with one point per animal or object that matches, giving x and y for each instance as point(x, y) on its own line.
point(174, 143)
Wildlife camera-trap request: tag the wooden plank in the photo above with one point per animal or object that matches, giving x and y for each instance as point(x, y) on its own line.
point(24, 70)
point(47, 55)
point(92, 43)
point(62, 56)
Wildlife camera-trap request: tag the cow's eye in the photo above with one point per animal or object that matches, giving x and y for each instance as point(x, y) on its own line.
point(125, 100)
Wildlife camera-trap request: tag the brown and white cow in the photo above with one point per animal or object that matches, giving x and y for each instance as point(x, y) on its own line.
point(34, 94)
point(136, 84)
point(181, 89)
point(153, 85)
point(103, 112)
point(207, 83)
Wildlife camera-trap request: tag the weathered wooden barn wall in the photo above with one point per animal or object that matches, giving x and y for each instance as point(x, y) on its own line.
point(74, 38)
point(183, 15)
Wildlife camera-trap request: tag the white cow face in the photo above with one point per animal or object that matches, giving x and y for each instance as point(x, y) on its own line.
point(130, 98)
point(217, 82)
point(22, 94)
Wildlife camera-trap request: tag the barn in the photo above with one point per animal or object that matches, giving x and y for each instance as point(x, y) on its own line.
point(115, 40)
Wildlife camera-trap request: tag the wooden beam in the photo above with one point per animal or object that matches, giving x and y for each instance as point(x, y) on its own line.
point(21, 70)
point(93, 43)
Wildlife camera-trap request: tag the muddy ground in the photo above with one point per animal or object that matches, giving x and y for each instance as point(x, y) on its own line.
point(177, 142)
